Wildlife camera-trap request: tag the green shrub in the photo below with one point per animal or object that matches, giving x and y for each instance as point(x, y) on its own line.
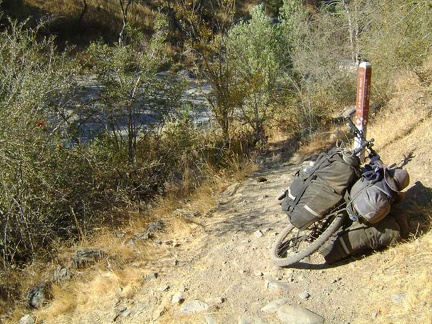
point(397, 39)
point(256, 52)
point(36, 87)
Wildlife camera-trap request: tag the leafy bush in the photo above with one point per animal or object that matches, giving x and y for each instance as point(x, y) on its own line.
point(255, 50)
point(36, 87)
point(326, 47)
point(397, 39)
point(321, 79)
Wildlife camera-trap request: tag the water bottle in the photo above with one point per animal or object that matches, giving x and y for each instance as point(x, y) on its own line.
point(307, 168)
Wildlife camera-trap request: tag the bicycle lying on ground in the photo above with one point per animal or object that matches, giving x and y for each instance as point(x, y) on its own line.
point(294, 244)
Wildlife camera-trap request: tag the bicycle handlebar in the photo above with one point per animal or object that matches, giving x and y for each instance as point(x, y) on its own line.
point(365, 144)
point(354, 128)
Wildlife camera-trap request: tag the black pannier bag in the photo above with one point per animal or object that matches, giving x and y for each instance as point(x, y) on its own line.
point(316, 190)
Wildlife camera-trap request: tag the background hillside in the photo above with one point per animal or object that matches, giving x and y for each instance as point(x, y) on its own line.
point(107, 177)
point(82, 21)
point(211, 263)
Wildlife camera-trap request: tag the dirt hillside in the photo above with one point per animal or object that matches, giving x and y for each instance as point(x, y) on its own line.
point(214, 266)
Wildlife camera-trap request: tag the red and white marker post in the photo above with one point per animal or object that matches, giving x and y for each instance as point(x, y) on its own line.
point(364, 74)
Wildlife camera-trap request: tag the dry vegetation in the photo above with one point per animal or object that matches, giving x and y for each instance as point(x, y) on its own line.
point(402, 127)
point(81, 21)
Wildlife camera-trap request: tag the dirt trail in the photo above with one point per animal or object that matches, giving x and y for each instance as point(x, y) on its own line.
point(219, 269)
point(228, 267)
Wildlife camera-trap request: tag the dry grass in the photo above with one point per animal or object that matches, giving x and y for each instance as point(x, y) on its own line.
point(101, 288)
point(120, 274)
point(404, 127)
point(405, 272)
point(410, 106)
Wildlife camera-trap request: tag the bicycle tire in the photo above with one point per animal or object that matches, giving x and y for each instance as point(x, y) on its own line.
point(286, 250)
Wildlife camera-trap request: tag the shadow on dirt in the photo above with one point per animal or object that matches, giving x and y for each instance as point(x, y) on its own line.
point(252, 205)
point(417, 207)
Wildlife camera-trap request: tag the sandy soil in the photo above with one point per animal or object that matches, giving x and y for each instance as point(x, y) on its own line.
point(225, 261)
point(216, 267)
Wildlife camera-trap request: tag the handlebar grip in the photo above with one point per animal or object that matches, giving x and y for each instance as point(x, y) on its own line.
point(351, 124)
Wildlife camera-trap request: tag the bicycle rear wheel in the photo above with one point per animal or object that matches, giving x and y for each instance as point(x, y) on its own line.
point(293, 245)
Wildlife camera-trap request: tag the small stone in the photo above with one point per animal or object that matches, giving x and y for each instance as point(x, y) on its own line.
point(85, 257)
point(37, 296)
point(193, 307)
point(336, 280)
point(398, 298)
point(164, 288)
point(151, 276)
point(304, 295)
point(126, 313)
point(250, 320)
point(270, 284)
point(298, 315)
point(26, 319)
point(273, 306)
point(177, 298)
point(61, 274)
point(210, 319)
point(158, 312)
point(259, 233)
point(186, 213)
point(215, 300)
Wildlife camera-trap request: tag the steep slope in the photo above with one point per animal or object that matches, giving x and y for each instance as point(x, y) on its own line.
point(215, 268)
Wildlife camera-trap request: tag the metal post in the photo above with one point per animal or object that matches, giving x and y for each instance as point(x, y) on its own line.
point(364, 74)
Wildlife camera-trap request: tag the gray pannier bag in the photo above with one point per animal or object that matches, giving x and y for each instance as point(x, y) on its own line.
point(372, 196)
point(316, 190)
point(371, 225)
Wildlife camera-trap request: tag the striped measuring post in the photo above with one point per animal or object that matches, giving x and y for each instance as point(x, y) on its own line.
point(364, 74)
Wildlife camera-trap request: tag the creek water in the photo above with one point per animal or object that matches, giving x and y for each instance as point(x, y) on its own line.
point(90, 117)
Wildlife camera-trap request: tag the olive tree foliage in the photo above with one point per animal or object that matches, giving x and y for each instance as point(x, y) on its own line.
point(326, 47)
point(136, 106)
point(257, 54)
point(206, 38)
point(396, 37)
point(55, 185)
point(37, 175)
point(134, 99)
point(322, 79)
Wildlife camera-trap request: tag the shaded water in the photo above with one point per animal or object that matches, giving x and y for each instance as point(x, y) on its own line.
point(89, 117)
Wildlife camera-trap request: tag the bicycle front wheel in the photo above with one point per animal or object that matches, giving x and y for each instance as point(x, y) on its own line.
point(293, 245)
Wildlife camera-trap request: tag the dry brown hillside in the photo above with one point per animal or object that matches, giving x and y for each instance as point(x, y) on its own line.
point(206, 260)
